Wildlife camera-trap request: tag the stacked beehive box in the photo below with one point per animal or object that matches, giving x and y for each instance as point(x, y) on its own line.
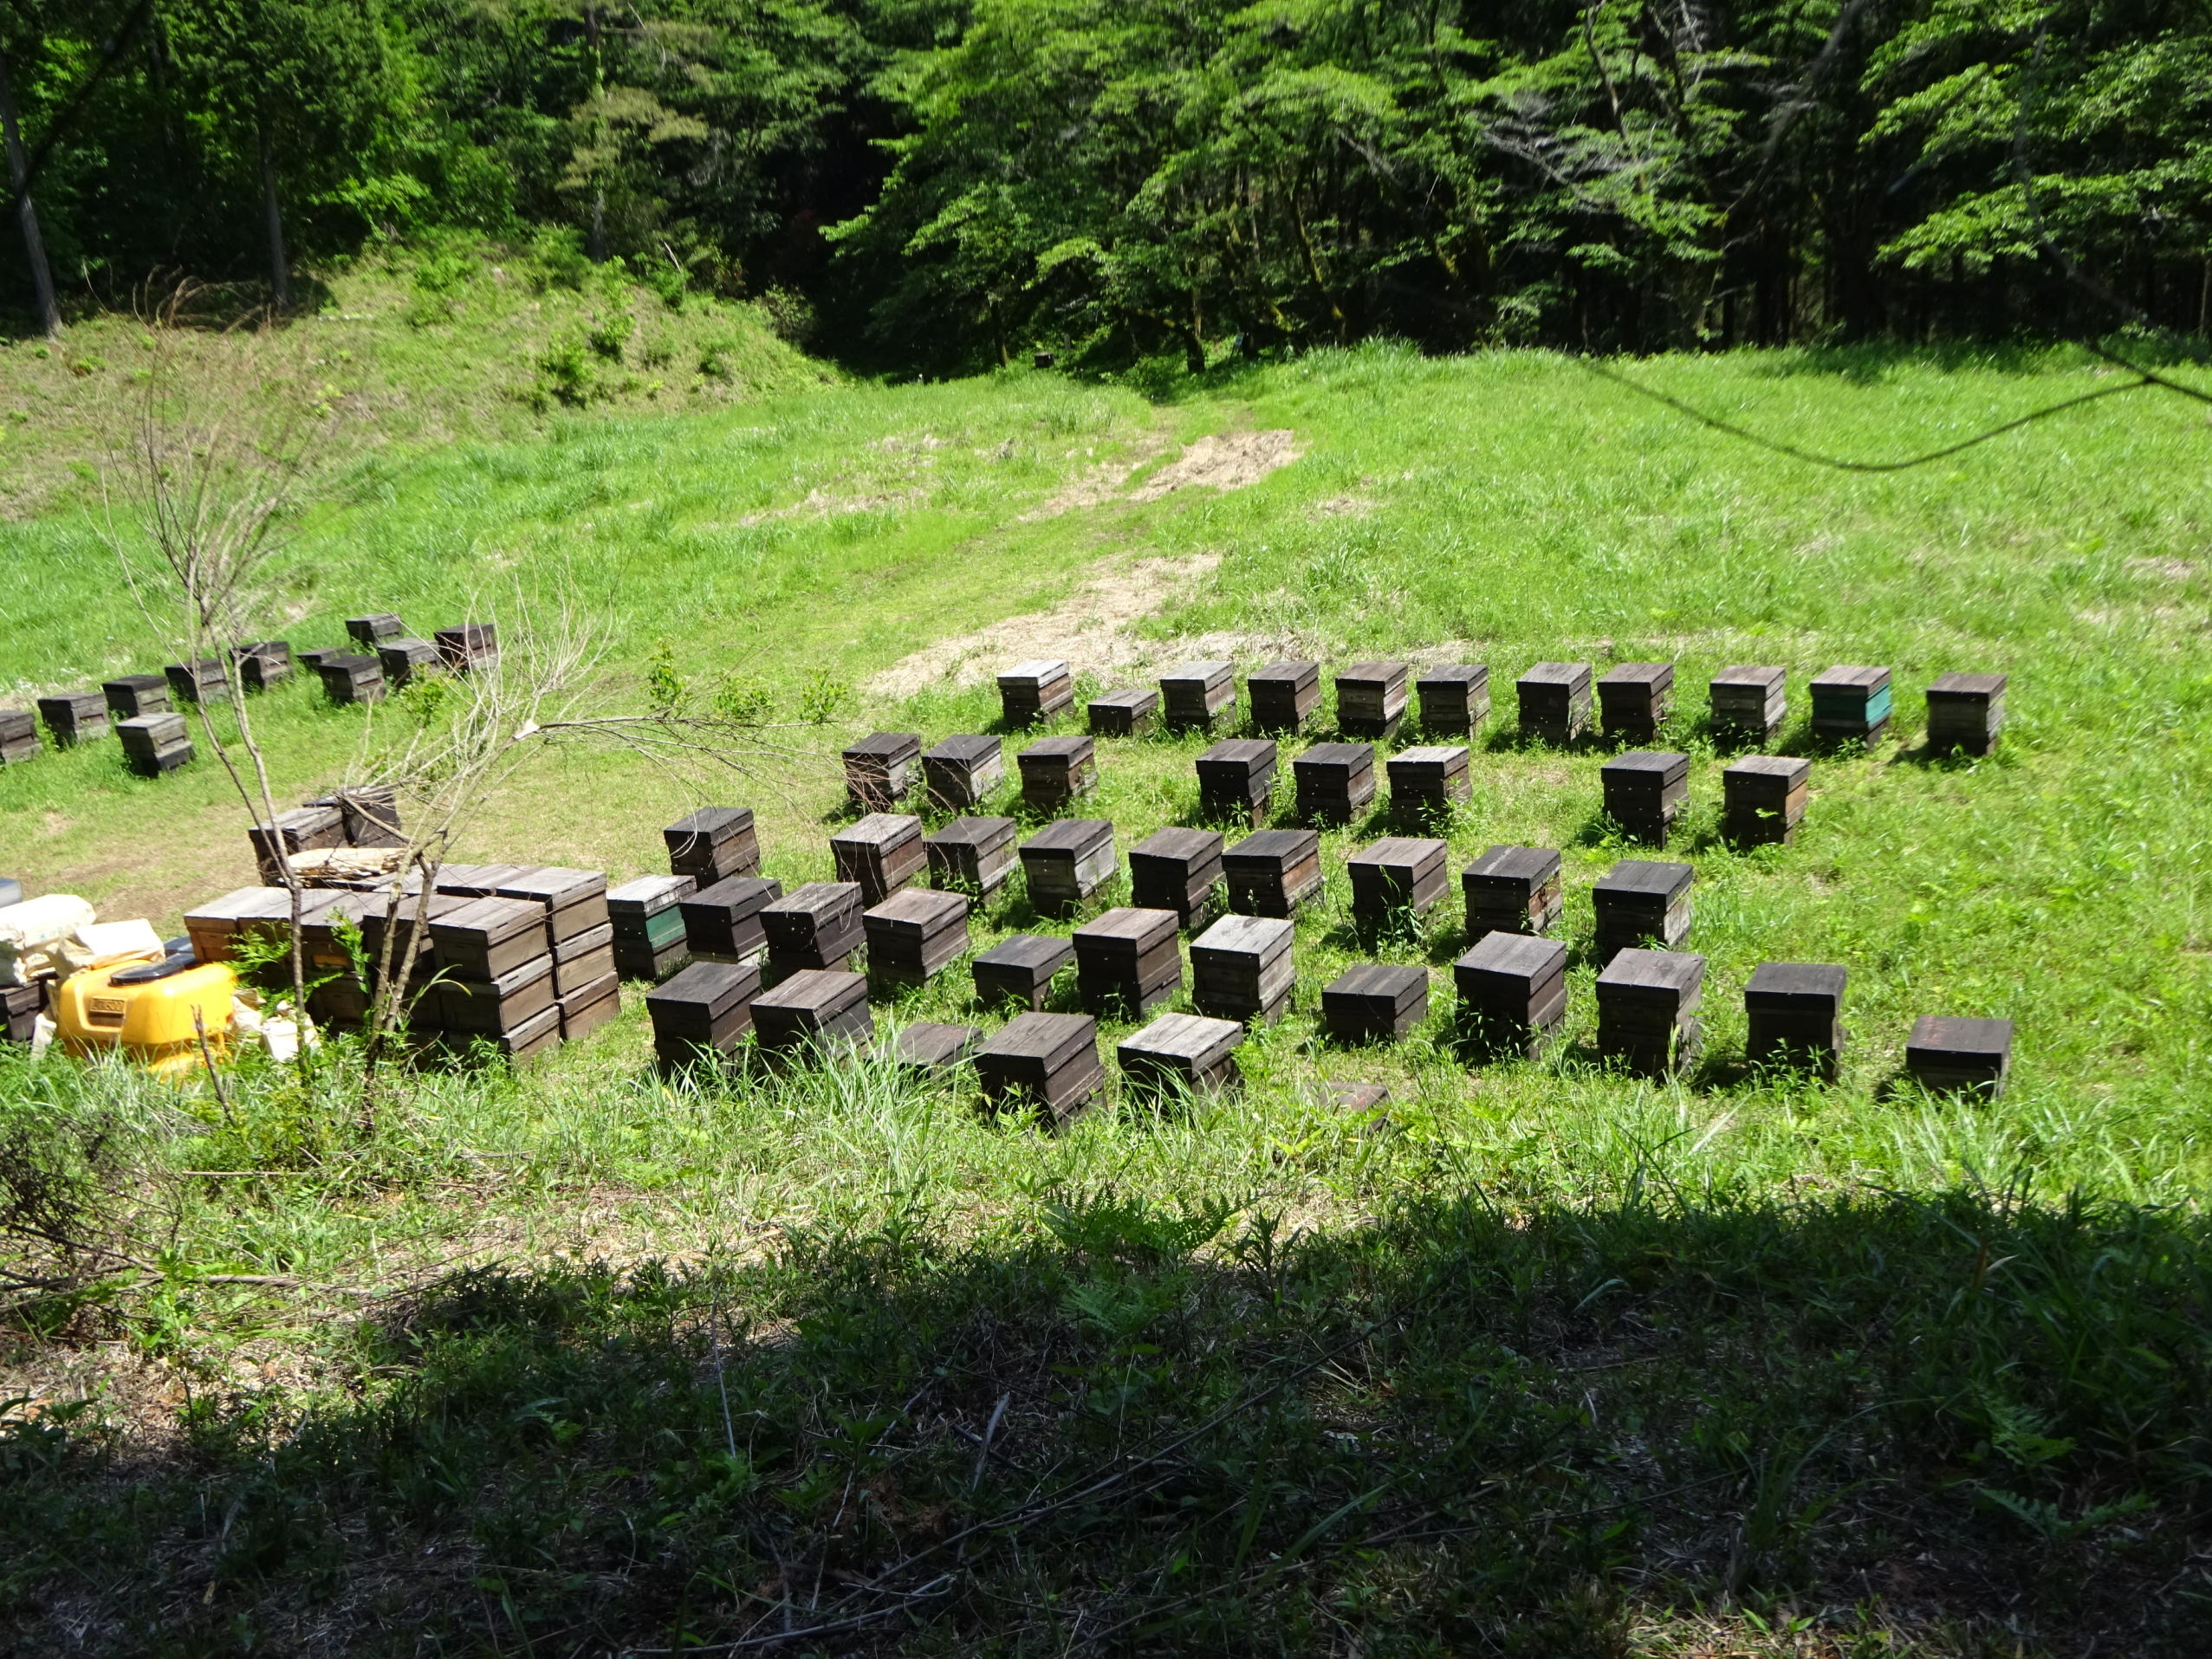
point(973, 856)
point(1130, 712)
point(817, 1014)
point(960, 773)
point(1128, 960)
point(303, 829)
point(495, 975)
point(1065, 863)
point(1274, 872)
point(1241, 969)
point(1749, 704)
point(577, 926)
point(370, 812)
point(1177, 870)
point(1283, 696)
point(713, 844)
point(722, 923)
point(74, 717)
point(265, 664)
point(1554, 701)
point(879, 854)
point(1182, 1054)
point(647, 918)
point(1513, 890)
point(1197, 695)
point(1454, 698)
point(1057, 771)
point(370, 631)
point(402, 660)
point(1371, 699)
point(18, 736)
point(340, 996)
point(131, 696)
point(1763, 799)
point(1375, 1002)
point(1427, 781)
point(350, 677)
point(1960, 1056)
point(816, 926)
point(1634, 699)
point(1335, 781)
point(1645, 791)
point(1021, 969)
point(153, 744)
point(1647, 1010)
point(1511, 994)
point(1236, 778)
point(705, 1010)
point(204, 679)
point(1795, 1014)
point(1033, 692)
point(1851, 705)
point(915, 935)
point(472, 648)
point(1396, 881)
point(1966, 712)
point(880, 769)
point(1641, 902)
point(1048, 1063)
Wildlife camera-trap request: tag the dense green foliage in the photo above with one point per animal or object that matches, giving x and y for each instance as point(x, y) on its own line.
point(1130, 177)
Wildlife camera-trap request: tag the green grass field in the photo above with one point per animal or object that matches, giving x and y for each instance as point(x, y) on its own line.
point(1549, 1361)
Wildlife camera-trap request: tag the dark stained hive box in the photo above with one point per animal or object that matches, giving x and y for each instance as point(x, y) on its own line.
point(367, 631)
point(1375, 1002)
point(1642, 903)
point(18, 736)
point(204, 679)
point(1283, 696)
point(371, 812)
point(74, 717)
point(1424, 782)
point(573, 901)
point(348, 678)
point(1177, 870)
point(1056, 770)
point(1644, 792)
point(1185, 1053)
point(1274, 872)
point(713, 844)
point(647, 918)
point(264, 663)
point(1193, 697)
point(1966, 712)
point(1021, 969)
point(1130, 712)
point(915, 935)
point(20, 1006)
point(1762, 799)
point(1128, 959)
point(927, 1046)
point(1236, 778)
point(585, 1009)
point(403, 660)
point(707, 1007)
point(815, 1013)
point(581, 962)
point(471, 648)
point(537, 1035)
point(880, 769)
point(498, 1003)
point(214, 925)
point(487, 938)
point(1455, 698)
point(1851, 705)
point(815, 926)
point(1512, 993)
point(1960, 1056)
point(879, 854)
point(1513, 890)
point(1554, 701)
point(1647, 1007)
point(1371, 699)
point(414, 912)
point(313, 660)
point(1048, 1063)
point(1335, 781)
point(961, 772)
point(130, 695)
point(1634, 700)
point(1749, 704)
point(153, 744)
point(1033, 692)
point(1065, 863)
point(1795, 1013)
point(1241, 969)
point(722, 921)
point(301, 829)
point(971, 855)
point(1397, 879)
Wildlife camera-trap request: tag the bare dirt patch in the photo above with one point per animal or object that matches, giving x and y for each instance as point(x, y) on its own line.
point(1227, 461)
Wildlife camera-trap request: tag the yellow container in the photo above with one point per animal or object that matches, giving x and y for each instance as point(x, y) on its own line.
point(149, 1016)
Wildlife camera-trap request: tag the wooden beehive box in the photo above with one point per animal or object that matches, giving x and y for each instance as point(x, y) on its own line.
point(265, 664)
point(816, 1014)
point(1130, 712)
point(1241, 967)
point(1283, 696)
point(1634, 699)
point(1035, 691)
point(1177, 870)
point(131, 696)
point(815, 926)
point(573, 901)
point(18, 736)
point(713, 844)
point(1398, 878)
point(722, 921)
point(368, 631)
point(1021, 969)
point(1181, 1053)
point(1644, 792)
point(403, 660)
point(880, 769)
point(915, 935)
point(1960, 1056)
point(486, 938)
point(204, 679)
point(1641, 902)
point(1335, 781)
point(471, 648)
point(1455, 698)
point(1851, 704)
point(371, 812)
point(1763, 799)
point(1065, 863)
point(971, 855)
point(1966, 712)
point(348, 678)
point(1048, 1063)
point(1056, 770)
point(301, 829)
point(1274, 872)
point(1794, 1011)
point(1425, 783)
point(1236, 778)
point(879, 854)
point(647, 918)
point(708, 1008)
point(1371, 699)
point(1647, 1008)
point(1128, 959)
point(153, 744)
point(591, 999)
point(74, 717)
point(1375, 1002)
point(1748, 703)
point(1196, 695)
point(500, 1003)
point(961, 772)
point(1554, 700)
point(1512, 992)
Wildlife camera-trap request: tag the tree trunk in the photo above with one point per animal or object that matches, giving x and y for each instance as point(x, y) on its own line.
point(280, 273)
point(42, 274)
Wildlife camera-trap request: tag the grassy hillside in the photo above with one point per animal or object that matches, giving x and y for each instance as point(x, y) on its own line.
point(1724, 1356)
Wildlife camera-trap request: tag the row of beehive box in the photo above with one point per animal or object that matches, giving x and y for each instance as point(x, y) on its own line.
point(1748, 703)
point(141, 710)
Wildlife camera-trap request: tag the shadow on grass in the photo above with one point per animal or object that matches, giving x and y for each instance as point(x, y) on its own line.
point(1963, 1419)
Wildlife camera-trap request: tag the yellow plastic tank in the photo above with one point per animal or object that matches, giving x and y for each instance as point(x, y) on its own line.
point(145, 1006)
